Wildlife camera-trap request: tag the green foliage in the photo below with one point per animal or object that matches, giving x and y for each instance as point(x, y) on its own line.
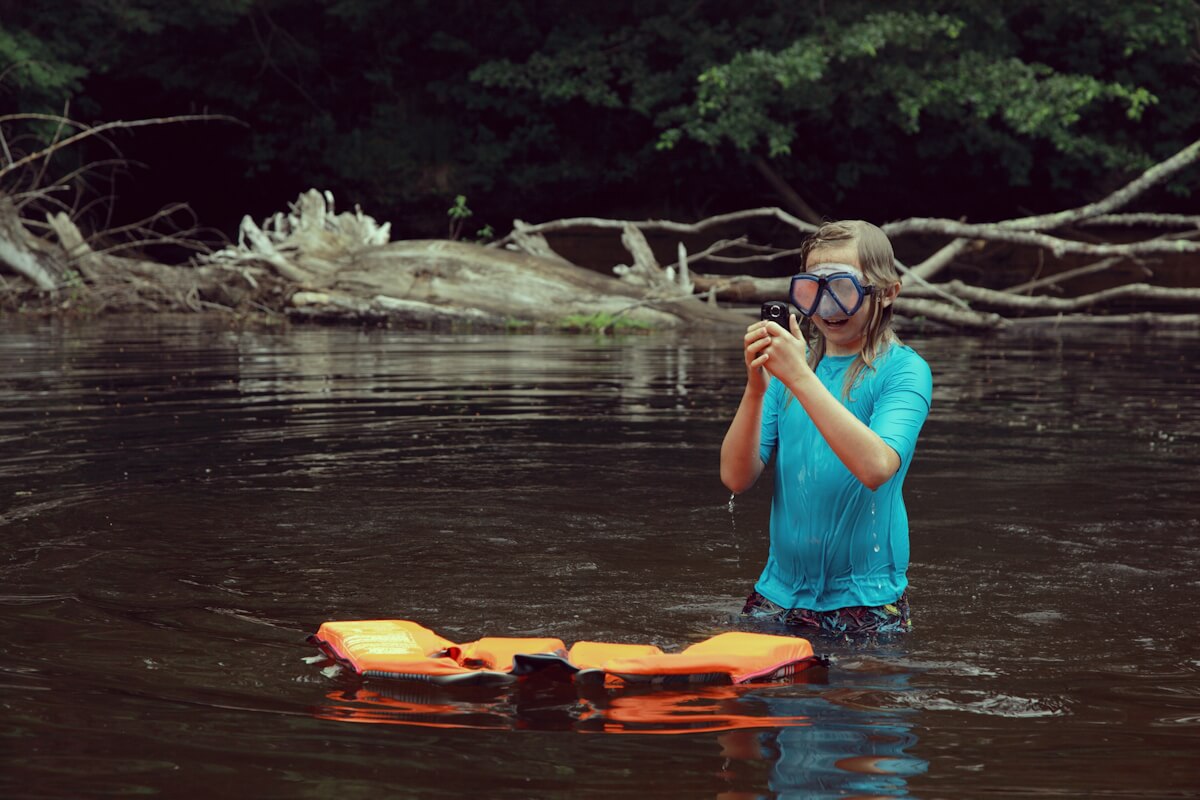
point(560, 108)
point(458, 214)
point(33, 71)
point(514, 325)
point(757, 94)
point(459, 210)
point(1008, 94)
point(951, 75)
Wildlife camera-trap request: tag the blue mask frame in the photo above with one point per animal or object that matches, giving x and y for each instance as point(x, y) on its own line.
point(823, 281)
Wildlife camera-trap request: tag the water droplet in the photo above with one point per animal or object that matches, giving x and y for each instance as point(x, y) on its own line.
point(737, 548)
point(876, 548)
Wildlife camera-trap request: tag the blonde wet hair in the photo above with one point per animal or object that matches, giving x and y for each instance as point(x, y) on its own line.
point(877, 261)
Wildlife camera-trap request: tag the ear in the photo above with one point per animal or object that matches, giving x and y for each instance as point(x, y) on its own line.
point(888, 296)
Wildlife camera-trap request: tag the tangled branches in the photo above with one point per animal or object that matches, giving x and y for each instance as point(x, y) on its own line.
point(42, 206)
point(956, 303)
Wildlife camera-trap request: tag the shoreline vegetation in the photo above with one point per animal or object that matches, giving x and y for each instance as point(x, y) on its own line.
point(312, 263)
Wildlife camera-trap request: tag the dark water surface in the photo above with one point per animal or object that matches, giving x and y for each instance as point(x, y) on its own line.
point(182, 504)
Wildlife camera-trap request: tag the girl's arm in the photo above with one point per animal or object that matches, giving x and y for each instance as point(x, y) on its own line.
point(740, 461)
point(867, 456)
point(864, 453)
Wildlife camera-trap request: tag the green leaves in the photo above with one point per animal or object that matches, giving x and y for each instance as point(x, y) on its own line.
point(33, 69)
point(757, 97)
point(538, 110)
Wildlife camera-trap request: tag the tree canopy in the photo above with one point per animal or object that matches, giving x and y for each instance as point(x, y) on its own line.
point(659, 107)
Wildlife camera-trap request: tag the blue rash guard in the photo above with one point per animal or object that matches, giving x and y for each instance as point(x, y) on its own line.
point(834, 542)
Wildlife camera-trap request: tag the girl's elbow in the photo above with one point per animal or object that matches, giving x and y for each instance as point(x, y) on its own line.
point(873, 482)
point(735, 486)
point(877, 475)
point(737, 482)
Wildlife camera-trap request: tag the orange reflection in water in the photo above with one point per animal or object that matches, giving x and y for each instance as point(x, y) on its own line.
point(564, 707)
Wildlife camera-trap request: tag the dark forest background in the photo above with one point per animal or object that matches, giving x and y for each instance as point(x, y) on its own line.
point(656, 108)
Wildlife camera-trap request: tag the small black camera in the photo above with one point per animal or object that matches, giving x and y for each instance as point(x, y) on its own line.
point(775, 311)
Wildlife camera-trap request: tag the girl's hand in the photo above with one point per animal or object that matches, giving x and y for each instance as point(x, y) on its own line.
point(755, 343)
point(786, 355)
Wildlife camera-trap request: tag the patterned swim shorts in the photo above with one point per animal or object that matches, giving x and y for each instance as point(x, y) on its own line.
point(890, 618)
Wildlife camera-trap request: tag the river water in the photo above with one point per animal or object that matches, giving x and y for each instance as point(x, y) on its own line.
point(182, 503)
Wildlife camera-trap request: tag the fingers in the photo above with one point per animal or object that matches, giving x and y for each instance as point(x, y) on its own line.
point(756, 345)
point(794, 324)
point(758, 334)
point(767, 328)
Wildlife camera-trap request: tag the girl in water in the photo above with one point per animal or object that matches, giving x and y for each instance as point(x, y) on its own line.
point(841, 419)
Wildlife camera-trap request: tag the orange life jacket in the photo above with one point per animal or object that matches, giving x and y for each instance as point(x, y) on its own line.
point(403, 649)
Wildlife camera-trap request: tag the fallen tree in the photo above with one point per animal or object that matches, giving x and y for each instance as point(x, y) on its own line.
point(312, 262)
point(956, 303)
point(309, 262)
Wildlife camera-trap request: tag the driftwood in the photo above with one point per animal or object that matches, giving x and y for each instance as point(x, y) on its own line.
point(956, 303)
point(311, 262)
point(40, 241)
point(343, 267)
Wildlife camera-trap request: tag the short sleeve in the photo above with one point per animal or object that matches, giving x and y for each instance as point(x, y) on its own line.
point(903, 403)
point(768, 437)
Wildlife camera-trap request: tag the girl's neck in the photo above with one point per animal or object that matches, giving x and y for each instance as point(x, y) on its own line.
point(832, 349)
point(856, 348)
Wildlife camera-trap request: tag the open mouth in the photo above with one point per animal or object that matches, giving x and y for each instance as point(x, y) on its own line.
point(835, 324)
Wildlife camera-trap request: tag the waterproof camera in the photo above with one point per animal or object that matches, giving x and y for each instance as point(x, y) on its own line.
point(775, 311)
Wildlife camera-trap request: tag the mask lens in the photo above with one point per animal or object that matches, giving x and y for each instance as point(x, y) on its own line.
point(846, 291)
point(804, 293)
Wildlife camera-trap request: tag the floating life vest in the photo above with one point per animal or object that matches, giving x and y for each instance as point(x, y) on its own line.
point(405, 650)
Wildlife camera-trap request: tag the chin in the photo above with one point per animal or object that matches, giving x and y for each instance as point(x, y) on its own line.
point(847, 335)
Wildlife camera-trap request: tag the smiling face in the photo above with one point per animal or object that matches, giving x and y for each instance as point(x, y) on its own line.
point(844, 335)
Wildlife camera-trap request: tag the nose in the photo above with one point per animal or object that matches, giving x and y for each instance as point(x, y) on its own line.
point(828, 307)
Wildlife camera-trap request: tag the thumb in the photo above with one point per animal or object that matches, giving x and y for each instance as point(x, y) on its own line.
point(794, 324)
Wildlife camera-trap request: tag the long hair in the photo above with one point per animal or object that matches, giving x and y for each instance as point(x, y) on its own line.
point(878, 263)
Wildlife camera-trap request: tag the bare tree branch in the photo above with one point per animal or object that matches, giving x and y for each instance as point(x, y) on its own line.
point(1145, 320)
point(662, 225)
point(1063, 277)
point(938, 261)
point(999, 232)
point(1015, 302)
point(1144, 220)
point(792, 198)
point(752, 259)
point(1122, 197)
point(948, 314)
point(94, 131)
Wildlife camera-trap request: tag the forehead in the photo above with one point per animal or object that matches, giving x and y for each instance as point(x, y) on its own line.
point(840, 254)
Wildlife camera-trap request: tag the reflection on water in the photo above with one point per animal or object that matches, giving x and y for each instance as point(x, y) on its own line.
point(815, 743)
point(182, 504)
point(557, 708)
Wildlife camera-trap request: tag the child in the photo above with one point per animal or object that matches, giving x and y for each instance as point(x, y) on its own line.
point(842, 420)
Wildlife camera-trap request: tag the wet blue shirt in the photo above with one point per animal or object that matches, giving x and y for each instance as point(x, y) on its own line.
point(834, 542)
